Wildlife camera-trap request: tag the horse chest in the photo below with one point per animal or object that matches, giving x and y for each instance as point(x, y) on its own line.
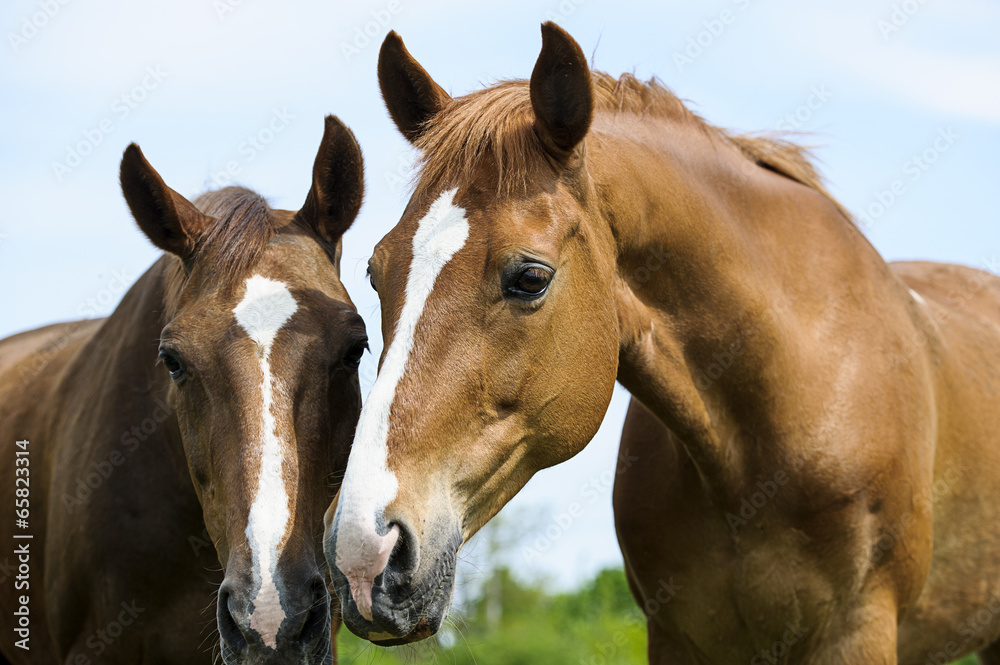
point(720, 584)
point(767, 594)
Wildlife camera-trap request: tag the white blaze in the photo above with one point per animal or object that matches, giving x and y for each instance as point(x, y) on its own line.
point(264, 309)
point(368, 485)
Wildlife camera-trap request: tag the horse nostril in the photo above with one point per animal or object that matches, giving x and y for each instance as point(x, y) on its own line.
point(404, 558)
point(316, 624)
point(229, 628)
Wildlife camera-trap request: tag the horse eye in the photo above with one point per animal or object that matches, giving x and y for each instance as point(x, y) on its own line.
point(371, 279)
point(173, 365)
point(531, 282)
point(353, 357)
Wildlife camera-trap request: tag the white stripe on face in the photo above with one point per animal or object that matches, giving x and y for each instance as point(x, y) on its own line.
point(369, 486)
point(264, 309)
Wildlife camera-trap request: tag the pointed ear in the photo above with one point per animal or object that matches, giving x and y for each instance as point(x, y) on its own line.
point(338, 183)
point(561, 93)
point(169, 220)
point(410, 94)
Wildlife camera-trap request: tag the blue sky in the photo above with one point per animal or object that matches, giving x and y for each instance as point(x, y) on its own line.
point(896, 95)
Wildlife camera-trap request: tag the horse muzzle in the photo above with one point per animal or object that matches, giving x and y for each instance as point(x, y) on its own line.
point(295, 631)
point(407, 599)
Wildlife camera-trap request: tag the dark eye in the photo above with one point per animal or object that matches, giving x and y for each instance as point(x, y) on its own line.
point(371, 279)
point(530, 282)
point(173, 365)
point(352, 358)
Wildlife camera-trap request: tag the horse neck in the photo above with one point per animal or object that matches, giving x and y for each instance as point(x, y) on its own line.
point(114, 402)
point(124, 349)
point(723, 267)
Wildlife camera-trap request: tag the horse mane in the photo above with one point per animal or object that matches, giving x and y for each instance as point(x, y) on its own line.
point(496, 124)
point(242, 228)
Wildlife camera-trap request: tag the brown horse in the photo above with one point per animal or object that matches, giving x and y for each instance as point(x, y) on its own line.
point(576, 229)
point(145, 475)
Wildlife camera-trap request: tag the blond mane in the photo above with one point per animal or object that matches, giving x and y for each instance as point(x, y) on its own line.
point(495, 126)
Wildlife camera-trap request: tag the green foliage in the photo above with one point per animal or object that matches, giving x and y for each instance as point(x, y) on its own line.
point(599, 624)
point(512, 623)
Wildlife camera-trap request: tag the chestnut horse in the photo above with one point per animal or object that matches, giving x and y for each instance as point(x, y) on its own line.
point(576, 229)
point(146, 475)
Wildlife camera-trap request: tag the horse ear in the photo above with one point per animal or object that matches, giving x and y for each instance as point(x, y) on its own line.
point(561, 93)
point(338, 183)
point(169, 220)
point(411, 95)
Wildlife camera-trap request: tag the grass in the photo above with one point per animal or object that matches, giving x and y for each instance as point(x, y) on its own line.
point(507, 622)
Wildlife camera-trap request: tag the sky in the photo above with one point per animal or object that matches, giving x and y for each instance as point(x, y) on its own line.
point(901, 99)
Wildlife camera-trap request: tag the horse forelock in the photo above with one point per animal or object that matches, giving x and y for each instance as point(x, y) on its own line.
point(243, 226)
